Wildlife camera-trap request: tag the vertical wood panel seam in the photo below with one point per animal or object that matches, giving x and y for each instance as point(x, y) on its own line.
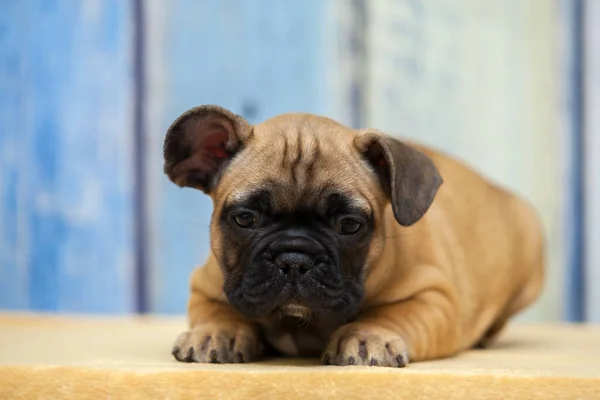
point(591, 164)
point(574, 211)
point(139, 157)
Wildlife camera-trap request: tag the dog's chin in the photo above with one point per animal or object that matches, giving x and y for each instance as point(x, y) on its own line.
point(296, 310)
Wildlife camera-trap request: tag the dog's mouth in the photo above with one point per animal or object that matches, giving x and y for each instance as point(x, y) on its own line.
point(295, 310)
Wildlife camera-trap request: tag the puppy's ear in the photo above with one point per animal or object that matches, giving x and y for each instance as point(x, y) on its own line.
point(409, 176)
point(199, 144)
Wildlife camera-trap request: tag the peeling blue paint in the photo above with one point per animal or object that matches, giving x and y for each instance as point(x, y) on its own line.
point(66, 224)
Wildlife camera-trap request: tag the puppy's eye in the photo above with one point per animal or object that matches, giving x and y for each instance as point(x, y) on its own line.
point(348, 226)
point(245, 220)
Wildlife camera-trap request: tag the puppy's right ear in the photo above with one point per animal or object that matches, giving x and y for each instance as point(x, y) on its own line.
point(409, 176)
point(200, 143)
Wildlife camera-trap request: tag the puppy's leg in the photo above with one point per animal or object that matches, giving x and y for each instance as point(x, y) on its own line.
point(218, 333)
point(420, 328)
point(525, 296)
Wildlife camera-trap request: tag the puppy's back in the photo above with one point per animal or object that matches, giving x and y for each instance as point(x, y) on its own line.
point(497, 248)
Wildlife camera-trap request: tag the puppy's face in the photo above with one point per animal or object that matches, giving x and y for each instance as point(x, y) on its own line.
point(297, 205)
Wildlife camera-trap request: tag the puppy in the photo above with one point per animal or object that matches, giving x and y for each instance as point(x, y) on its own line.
point(344, 244)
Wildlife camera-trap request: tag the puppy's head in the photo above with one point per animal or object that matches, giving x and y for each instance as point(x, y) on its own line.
point(298, 202)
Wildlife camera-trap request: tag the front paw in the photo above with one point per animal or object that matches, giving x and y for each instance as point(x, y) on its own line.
point(365, 344)
point(217, 344)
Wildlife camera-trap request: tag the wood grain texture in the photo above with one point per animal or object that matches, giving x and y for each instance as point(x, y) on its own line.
point(65, 156)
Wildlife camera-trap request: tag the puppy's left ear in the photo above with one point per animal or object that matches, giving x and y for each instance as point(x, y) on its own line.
point(408, 176)
point(200, 143)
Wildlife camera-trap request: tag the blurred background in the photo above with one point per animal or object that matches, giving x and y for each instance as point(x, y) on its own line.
point(88, 221)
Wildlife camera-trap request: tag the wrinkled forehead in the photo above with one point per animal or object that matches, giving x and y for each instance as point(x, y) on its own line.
point(300, 161)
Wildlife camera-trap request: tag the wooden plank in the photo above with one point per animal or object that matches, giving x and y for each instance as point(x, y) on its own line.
point(477, 79)
point(13, 278)
point(571, 139)
point(258, 58)
point(66, 176)
point(591, 70)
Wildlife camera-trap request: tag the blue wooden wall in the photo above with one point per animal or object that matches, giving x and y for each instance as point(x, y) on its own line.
point(89, 87)
point(66, 156)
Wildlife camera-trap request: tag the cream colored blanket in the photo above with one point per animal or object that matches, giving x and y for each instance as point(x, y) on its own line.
point(45, 357)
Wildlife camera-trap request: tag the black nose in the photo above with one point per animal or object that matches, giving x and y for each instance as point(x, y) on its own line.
point(294, 264)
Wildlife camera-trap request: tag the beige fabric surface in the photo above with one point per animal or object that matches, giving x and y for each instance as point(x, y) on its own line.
point(46, 357)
